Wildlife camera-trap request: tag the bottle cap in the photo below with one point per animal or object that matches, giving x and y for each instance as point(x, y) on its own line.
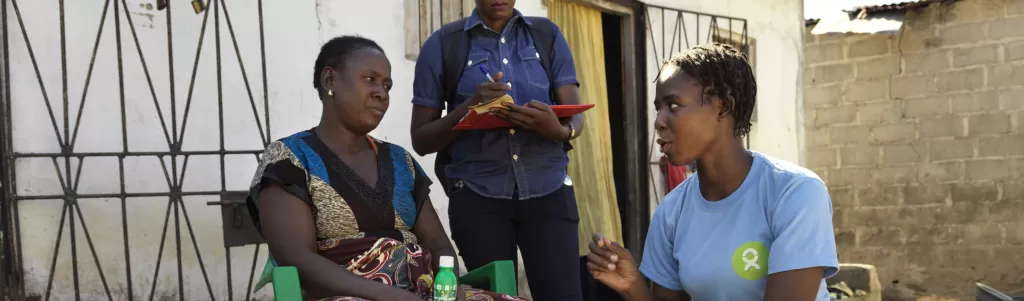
point(447, 262)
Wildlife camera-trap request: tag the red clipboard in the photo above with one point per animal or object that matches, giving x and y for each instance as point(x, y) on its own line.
point(474, 121)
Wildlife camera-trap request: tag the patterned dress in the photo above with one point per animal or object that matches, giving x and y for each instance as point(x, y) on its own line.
point(365, 229)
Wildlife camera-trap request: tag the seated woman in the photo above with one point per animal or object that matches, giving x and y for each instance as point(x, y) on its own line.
point(351, 212)
point(745, 226)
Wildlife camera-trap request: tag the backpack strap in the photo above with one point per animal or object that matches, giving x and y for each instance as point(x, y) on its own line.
point(542, 30)
point(454, 52)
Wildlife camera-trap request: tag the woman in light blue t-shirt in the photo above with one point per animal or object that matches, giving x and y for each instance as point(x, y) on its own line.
point(746, 226)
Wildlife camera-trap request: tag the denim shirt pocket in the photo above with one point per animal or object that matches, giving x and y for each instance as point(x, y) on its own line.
point(471, 75)
point(533, 69)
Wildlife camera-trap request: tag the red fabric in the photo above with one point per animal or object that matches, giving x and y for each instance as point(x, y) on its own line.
point(674, 175)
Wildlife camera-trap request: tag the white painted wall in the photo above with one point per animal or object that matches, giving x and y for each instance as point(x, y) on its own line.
point(293, 30)
point(777, 27)
point(292, 40)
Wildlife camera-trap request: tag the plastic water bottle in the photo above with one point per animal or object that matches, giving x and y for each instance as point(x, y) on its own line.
point(445, 282)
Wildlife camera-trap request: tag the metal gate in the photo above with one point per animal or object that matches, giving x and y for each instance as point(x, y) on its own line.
point(671, 30)
point(101, 254)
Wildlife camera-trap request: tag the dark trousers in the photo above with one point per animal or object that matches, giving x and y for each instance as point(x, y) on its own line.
point(594, 290)
point(543, 228)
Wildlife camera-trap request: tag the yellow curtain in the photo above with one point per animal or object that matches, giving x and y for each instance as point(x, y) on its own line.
point(590, 163)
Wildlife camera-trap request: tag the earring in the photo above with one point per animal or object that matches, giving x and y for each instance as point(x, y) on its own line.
point(330, 92)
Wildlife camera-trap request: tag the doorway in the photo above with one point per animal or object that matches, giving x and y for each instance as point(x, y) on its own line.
point(612, 32)
point(610, 156)
point(624, 56)
point(609, 159)
point(621, 31)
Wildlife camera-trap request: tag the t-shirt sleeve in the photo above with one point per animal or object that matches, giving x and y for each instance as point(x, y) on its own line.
point(658, 262)
point(277, 165)
point(802, 226)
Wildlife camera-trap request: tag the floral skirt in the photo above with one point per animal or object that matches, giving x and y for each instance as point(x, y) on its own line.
point(408, 267)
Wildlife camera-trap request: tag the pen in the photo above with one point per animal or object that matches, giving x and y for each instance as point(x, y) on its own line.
point(487, 74)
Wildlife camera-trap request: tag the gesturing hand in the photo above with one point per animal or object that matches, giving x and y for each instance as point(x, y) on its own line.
point(611, 264)
point(536, 117)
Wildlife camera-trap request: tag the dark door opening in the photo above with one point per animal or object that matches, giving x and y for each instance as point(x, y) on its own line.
point(613, 62)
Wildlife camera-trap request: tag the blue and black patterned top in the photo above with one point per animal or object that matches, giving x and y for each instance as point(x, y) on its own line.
point(344, 205)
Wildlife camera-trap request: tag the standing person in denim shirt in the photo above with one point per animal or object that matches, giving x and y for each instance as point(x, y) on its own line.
point(508, 187)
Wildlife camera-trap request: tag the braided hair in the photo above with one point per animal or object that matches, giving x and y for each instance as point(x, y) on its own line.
point(334, 53)
point(724, 72)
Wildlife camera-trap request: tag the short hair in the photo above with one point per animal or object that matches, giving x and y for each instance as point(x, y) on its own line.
point(724, 72)
point(336, 51)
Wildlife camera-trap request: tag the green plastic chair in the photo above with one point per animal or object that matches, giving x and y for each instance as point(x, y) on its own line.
point(499, 276)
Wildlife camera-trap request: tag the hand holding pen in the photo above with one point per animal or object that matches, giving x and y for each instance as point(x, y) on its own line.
point(489, 90)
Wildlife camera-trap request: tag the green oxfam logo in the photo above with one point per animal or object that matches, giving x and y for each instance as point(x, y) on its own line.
point(750, 261)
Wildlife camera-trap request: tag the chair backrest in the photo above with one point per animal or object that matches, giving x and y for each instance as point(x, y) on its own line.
point(239, 230)
point(237, 224)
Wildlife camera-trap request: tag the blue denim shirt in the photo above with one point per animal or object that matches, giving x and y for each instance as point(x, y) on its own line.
point(495, 162)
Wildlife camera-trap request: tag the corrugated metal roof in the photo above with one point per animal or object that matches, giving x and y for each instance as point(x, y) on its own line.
point(906, 5)
point(888, 6)
point(881, 8)
point(875, 23)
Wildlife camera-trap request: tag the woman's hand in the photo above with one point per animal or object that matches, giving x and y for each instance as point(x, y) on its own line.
point(432, 237)
point(536, 117)
point(612, 264)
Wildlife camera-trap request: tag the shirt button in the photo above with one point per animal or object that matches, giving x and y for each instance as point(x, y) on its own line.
point(537, 54)
point(515, 157)
point(470, 63)
point(504, 61)
point(502, 40)
point(512, 131)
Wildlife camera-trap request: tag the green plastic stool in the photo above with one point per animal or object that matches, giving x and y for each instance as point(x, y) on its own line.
point(499, 276)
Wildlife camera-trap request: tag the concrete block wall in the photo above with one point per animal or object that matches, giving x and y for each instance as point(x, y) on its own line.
point(920, 138)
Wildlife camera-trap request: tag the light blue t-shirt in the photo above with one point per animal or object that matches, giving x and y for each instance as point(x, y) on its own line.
point(779, 219)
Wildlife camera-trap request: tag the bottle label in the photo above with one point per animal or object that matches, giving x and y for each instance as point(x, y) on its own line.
point(444, 292)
